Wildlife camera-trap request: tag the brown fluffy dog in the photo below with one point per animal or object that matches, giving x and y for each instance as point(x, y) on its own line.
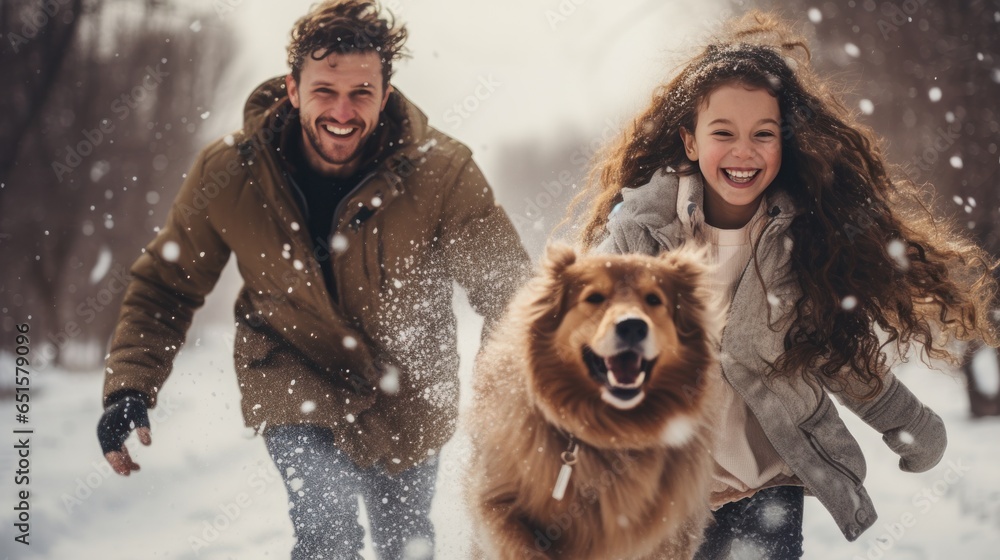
point(614, 356)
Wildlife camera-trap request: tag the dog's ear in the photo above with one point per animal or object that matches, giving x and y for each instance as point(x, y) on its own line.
point(557, 258)
point(549, 289)
point(699, 311)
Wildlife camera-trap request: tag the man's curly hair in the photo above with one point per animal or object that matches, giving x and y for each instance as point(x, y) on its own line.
point(344, 27)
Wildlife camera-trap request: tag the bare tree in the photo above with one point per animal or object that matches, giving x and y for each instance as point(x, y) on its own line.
point(98, 164)
point(36, 38)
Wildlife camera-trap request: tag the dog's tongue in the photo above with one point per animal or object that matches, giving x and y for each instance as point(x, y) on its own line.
point(627, 366)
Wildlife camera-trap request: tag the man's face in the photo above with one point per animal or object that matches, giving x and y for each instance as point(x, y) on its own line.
point(339, 100)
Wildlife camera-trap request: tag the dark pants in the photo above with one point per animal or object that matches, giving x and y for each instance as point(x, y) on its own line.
point(765, 526)
point(323, 489)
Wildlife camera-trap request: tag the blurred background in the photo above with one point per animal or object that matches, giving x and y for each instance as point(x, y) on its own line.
point(104, 104)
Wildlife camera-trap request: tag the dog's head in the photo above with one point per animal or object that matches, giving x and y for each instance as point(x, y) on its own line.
point(622, 346)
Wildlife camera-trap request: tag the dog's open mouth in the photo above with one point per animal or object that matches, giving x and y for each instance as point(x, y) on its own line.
point(622, 376)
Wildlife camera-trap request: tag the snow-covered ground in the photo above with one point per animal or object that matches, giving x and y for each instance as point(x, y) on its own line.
point(208, 490)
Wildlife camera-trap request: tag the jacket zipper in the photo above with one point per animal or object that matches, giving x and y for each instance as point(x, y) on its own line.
point(247, 160)
point(337, 213)
point(813, 440)
point(822, 452)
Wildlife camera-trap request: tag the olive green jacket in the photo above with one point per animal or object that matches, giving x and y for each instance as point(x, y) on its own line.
point(377, 364)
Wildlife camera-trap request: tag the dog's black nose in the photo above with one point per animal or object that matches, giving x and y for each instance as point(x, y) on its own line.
point(632, 331)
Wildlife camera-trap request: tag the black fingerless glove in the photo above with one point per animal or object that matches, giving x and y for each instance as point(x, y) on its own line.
point(125, 412)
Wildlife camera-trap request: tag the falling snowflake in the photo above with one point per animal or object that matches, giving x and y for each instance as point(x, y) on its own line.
point(338, 243)
point(171, 251)
point(390, 381)
point(897, 251)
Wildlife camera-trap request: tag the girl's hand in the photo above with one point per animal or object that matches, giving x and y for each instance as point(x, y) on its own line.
point(920, 443)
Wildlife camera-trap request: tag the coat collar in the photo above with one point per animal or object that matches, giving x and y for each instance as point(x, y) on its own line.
point(671, 207)
point(402, 143)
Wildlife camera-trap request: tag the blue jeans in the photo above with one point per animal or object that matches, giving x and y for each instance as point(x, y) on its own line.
point(765, 526)
point(323, 489)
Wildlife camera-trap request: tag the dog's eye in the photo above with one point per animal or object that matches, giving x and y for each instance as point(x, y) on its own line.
point(595, 298)
point(653, 299)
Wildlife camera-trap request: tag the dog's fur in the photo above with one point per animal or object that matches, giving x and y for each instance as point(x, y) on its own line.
point(640, 486)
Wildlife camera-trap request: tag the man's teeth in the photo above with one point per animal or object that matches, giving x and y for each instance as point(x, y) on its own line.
point(339, 131)
point(741, 176)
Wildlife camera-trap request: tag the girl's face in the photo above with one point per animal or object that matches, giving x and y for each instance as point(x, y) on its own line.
point(737, 145)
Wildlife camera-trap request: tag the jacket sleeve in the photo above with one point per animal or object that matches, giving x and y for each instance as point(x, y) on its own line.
point(911, 429)
point(482, 250)
point(169, 282)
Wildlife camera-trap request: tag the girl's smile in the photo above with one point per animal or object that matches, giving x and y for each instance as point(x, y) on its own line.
point(737, 145)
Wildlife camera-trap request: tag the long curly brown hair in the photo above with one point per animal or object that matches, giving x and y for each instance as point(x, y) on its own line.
point(861, 233)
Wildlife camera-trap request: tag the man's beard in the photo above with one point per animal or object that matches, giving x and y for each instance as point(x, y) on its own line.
point(313, 134)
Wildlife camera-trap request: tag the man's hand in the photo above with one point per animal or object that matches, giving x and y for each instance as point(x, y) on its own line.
point(127, 412)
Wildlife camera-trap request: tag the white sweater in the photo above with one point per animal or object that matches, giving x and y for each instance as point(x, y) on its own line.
point(744, 458)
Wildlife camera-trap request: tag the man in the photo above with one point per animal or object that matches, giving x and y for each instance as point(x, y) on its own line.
point(350, 219)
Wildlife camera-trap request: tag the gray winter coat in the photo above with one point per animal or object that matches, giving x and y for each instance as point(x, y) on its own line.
point(795, 412)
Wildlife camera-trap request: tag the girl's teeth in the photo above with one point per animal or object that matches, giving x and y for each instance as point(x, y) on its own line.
point(741, 176)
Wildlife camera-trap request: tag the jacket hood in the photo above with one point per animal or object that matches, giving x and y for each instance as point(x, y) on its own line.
point(401, 120)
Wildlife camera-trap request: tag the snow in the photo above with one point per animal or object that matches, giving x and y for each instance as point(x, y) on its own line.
point(102, 266)
point(209, 490)
point(207, 483)
point(951, 511)
point(986, 371)
point(171, 251)
point(897, 250)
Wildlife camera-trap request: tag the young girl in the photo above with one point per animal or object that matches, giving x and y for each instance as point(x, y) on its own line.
point(826, 260)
